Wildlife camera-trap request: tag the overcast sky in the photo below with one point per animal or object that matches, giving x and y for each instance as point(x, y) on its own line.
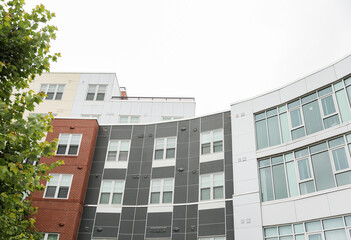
point(218, 51)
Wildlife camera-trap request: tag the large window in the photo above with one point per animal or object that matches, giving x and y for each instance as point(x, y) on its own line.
point(161, 191)
point(212, 141)
point(112, 192)
point(327, 229)
point(319, 110)
point(52, 91)
point(118, 150)
point(212, 186)
point(68, 144)
point(165, 148)
point(50, 236)
point(96, 92)
point(58, 186)
point(315, 168)
point(129, 119)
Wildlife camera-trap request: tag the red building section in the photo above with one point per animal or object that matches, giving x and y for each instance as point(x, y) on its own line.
point(60, 205)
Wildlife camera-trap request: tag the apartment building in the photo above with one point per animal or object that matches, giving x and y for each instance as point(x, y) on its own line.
point(277, 166)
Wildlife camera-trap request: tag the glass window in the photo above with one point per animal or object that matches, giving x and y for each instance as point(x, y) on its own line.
point(292, 180)
point(284, 127)
point(343, 106)
point(212, 186)
point(58, 186)
point(333, 223)
point(165, 148)
point(343, 178)
point(96, 92)
point(280, 189)
point(322, 170)
point(298, 228)
point(52, 91)
point(261, 134)
point(316, 236)
point(50, 236)
point(340, 159)
point(307, 187)
point(348, 220)
point(271, 232)
point(296, 119)
point(313, 226)
point(68, 144)
point(304, 169)
point(212, 142)
point(118, 150)
point(266, 184)
point(161, 191)
point(339, 234)
point(312, 117)
point(273, 131)
point(111, 192)
point(285, 230)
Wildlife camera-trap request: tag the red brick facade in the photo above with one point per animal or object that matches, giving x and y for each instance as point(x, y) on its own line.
point(63, 215)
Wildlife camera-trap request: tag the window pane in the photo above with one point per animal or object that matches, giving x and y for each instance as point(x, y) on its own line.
point(160, 143)
point(333, 223)
point(343, 106)
point(43, 88)
point(167, 197)
point(218, 180)
point(331, 121)
point(63, 192)
point(343, 178)
point(322, 170)
point(336, 142)
point(266, 184)
point(328, 105)
point(218, 192)
point(111, 156)
point(260, 116)
point(170, 153)
point(308, 98)
point(287, 238)
point(134, 119)
point(278, 159)
point(298, 228)
point(123, 156)
point(324, 91)
point(61, 88)
point(63, 138)
point(279, 182)
point(300, 237)
point(285, 230)
point(124, 146)
point(270, 232)
point(206, 148)
point(117, 198)
point(296, 119)
point(168, 185)
point(315, 237)
point(284, 127)
point(156, 186)
point(52, 236)
point(218, 146)
point(294, 104)
point(100, 96)
point(61, 149)
point(301, 153)
point(205, 137)
point(307, 187)
point(106, 186)
point(335, 235)
point(340, 159)
point(123, 119)
point(261, 134)
point(312, 117)
point(205, 194)
point(73, 150)
point(50, 191)
point(58, 96)
point(265, 162)
point(105, 198)
point(205, 181)
point(159, 154)
point(171, 142)
point(304, 169)
point(118, 187)
point(318, 148)
point(273, 131)
point(298, 133)
point(217, 135)
point(292, 181)
point(66, 180)
point(155, 197)
point(90, 96)
point(272, 112)
point(338, 85)
point(348, 220)
point(313, 226)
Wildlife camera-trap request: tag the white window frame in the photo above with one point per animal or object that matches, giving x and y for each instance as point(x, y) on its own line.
point(129, 118)
point(211, 175)
point(46, 88)
point(113, 182)
point(58, 185)
point(69, 144)
point(162, 190)
point(119, 141)
point(46, 235)
point(169, 118)
point(211, 142)
point(165, 142)
point(96, 92)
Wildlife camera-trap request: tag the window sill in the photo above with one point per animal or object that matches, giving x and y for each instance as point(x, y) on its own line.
point(116, 164)
point(154, 208)
point(211, 157)
point(109, 208)
point(163, 163)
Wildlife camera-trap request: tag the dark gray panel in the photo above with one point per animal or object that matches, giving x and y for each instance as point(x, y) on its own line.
point(194, 163)
point(133, 168)
point(193, 177)
point(183, 131)
point(180, 194)
point(209, 216)
point(140, 213)
point(146, 168)
point(181, 178)
point(137, 141)
point(228, 158)
point(227, 117)
point(159, 219)
point(92, 196)
point(182, 163)
point(135, 154)
point(179, 212)
point(100, 154)
point(124, 237)
point(191, 211)
point(182, 150)
point(194, 130)
point(212, 122)
point(228, 172)
point(166, 129)
point(230, 223)
point(101, 141)
point(138, 237)
point(94, 181)
point(229, 190)
point(228, 143)
point(126, 227)
point(229, 207)
point(97, 168)
point(130, 195)
point(147, 154)
point(138, 130)
point(143, 196)
point(105, 231)
point(149, 136)
point(84, 236)
point(191, 225)
point(230, 235)
point(194, 150)
point(191, 236)
point(163, 172)
point(193, 193)
point(132, 181)
point(104, 130)
point(122, 128)
point(107, 219)
point(178, 236)
point(88, 212)
point(120, 135)
point(144, 181)
point(158, 232)
point(86, 225)
point(139, 227)
point(114, 174)
point(212, 229)
point(212, 166)
point(127, 213)
point(179, 226)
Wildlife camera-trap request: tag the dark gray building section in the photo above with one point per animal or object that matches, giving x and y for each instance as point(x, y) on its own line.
point(186, 222)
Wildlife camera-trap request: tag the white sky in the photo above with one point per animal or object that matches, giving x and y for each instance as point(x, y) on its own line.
point(218, 51)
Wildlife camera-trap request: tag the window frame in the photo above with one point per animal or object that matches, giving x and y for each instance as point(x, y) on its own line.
point(113, 183)
point(46, 236)
point(211, 187)
point(211, 142)
point(58, 185)
point(69, 144)
point(129, 119)
point(119, 141)
point(162, 191)
point(47, 86)
point(164, 149)
point(96, 92)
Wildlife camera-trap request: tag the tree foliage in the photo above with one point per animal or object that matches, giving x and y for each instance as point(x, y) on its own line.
point(24, 53)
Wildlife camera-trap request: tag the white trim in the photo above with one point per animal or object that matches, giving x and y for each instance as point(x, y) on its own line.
point(58, 186)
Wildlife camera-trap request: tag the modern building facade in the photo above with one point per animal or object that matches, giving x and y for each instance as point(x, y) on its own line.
point(277, 166)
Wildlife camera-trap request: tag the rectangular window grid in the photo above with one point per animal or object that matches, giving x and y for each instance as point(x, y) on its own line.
point(111, 192)
point(52, 91)
point(58, 186)
point(118, 150)
point(161, 191)
point(68, 144)
point(314, 168)
point(319, 110)
point(129, 119)
point(50, 236)
point(165, 148)
point(212, 186)
point(212, 141)
point(96, 92)
point(325, 229)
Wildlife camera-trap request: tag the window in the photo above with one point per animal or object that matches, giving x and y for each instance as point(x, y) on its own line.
point(96, 92)
point(50, 236)
point(58, 186)
point(213, 238)
point(161, 191)
point(212, 142)
point(212, 186)
point(118, 150)
point(111, 192)
point(68, 144)
point(129, 119)
point(52, 91)
point(165, 148)
point(168, 118)
point(314, 168)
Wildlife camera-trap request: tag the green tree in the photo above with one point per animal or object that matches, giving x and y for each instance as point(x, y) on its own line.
point(24, 53)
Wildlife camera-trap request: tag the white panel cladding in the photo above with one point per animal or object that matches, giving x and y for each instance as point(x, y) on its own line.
point(292, 91)
point(156, 109)
point(266, 101)
point(339, 202)
point(167, 109)
point(189, 109)
point(136, 109)
point(343, 67)
point(248, 233)
point(178, 110)
point(320, 79)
